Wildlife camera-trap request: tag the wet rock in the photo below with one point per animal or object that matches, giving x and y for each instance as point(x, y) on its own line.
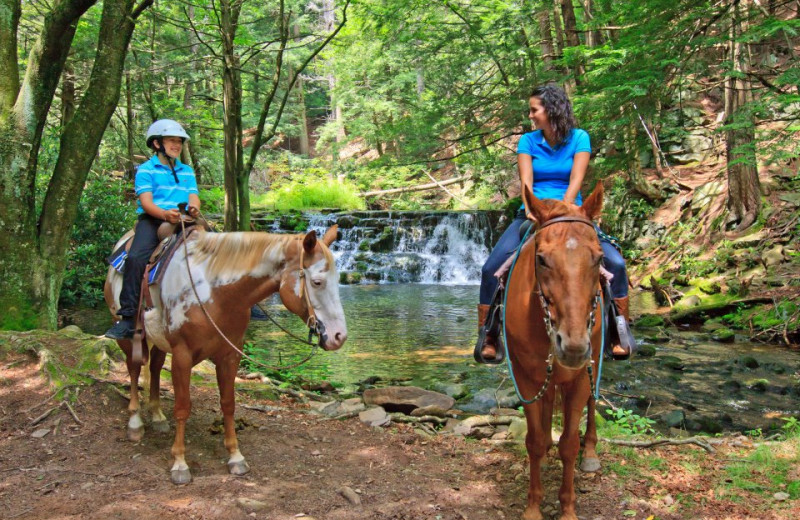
point(759, 385)
point(723, 335)
point(671, 362)
point(705, 424)
point(454, 390)
point(748, 362)
point(648, 321)
point(731, 386)
point(406, 398)
point(658, 338)
point(646, 350)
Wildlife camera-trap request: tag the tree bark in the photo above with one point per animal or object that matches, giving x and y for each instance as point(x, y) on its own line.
point(34, 255)
point(571, 34)
point(232, 115)
point(744, 188)
point(548, 51)
point(67, 94)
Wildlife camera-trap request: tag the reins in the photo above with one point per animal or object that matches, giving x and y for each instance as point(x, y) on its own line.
point(312, 322)
point(594, 385)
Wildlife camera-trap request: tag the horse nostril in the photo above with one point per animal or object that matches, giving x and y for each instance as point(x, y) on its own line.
point(340, 338)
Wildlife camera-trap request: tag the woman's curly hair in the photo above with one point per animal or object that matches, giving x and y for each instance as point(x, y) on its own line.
point(559, 111)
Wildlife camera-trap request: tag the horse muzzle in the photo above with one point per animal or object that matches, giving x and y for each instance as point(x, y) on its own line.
point(572, 355)
point(326, 341)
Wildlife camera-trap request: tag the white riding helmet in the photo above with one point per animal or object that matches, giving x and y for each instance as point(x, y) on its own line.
point(165, 128)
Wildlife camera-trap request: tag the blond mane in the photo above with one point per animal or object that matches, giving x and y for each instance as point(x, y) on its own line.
point(232, 254)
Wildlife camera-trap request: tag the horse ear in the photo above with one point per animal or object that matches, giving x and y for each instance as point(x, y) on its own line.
point(330, 235)
point(310, 241)
point(594, 202)
point(533, 205)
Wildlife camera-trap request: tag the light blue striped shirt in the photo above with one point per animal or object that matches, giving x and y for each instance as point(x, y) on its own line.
point(156, 178)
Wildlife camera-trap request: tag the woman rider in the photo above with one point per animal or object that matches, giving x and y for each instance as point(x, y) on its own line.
point(161, 184)
point(553, 159)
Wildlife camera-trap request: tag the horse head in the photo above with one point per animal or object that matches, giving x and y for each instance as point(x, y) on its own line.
point(566, 269)
point(310, 289)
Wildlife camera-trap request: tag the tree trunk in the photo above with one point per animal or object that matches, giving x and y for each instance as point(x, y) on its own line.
point(744, 188)
point(67, 94)
point(548, 51)
point(130, 168)
point(232, 115)
point(571, 33)
point(32, 264)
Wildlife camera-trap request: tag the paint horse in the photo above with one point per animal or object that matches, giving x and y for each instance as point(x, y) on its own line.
point(204, 297)
point(553, 336)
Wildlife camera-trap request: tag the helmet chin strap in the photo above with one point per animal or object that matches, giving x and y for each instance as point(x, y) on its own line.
point(161, 149)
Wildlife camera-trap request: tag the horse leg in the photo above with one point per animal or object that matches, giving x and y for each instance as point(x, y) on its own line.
point(537, 441)
point(135, 423)
point(181, 374)
point(574, 398)
point(226, 373)
point(159, 420)
point(590, 462)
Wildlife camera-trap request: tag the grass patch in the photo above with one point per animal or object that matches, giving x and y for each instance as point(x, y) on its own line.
point(308, 194)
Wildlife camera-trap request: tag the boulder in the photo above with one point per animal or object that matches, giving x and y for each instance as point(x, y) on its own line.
point(406, 398)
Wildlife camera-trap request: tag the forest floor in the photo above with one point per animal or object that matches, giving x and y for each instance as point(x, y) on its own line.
point(82, 466)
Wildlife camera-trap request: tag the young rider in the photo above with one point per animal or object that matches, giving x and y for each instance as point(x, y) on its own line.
point(161, 184)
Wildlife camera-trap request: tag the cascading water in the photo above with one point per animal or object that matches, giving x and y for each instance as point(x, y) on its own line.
point(407, 247)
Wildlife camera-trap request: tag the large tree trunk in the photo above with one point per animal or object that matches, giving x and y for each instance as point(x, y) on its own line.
point(744, 188)
point(232, 116)
point(571, 34)
point(34, 256)
point(547, 48)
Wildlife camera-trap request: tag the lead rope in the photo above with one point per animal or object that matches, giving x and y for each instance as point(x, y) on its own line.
point(222, 334)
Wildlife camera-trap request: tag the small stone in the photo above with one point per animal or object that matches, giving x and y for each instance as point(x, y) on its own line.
point(350, 495)
point(668, 500)
point(781, 496)
point(250, 504)
point(38, 434)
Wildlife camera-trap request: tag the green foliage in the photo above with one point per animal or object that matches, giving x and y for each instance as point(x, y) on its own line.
point(630, 423)
point(791, 427)
point(105, 213)
point(310, 193)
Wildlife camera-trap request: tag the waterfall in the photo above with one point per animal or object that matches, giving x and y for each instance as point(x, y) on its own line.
point(402, 246)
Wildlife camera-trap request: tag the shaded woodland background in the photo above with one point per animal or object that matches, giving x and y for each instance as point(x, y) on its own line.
point(374, 95)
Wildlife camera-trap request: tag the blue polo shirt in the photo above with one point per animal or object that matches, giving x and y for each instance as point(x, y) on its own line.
point(156, 178)
point(553, 167)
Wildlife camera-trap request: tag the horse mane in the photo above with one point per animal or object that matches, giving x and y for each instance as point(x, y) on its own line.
point(239, 253)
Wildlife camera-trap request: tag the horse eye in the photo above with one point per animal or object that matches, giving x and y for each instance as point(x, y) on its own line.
point(541, 261)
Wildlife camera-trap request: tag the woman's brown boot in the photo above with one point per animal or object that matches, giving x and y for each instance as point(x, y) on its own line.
point(489, 348)
point(622, 310)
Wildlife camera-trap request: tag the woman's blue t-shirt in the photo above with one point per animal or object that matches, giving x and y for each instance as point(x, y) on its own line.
point(553, 167)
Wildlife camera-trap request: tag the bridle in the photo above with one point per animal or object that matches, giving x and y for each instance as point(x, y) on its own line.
point(314, 324)
point(548, 319)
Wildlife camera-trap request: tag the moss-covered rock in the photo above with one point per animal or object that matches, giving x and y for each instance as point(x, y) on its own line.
point(646, 350)
point(646, 321)
point(671, 362)
point(723, 335)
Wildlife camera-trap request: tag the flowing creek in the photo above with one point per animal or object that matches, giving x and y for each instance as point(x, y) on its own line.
point(422, 332)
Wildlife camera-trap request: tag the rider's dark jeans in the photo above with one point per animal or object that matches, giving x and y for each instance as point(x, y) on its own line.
point(505, 247)
point(508, 243)
point(144, 243)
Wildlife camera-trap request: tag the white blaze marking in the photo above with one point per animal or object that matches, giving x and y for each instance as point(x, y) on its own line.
point(571, 243)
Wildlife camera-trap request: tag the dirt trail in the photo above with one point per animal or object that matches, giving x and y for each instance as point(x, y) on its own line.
point(299, 463)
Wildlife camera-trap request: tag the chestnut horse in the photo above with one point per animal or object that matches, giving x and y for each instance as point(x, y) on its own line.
point(210, 295)
point(553, 338)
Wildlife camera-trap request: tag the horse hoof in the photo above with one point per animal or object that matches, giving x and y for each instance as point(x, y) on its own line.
point(160, 426)
point(180, 476)
point(532, 513)
point(238, 468)
point(590, 465)
point(135, 434)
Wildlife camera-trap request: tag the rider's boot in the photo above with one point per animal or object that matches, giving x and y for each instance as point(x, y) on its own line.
point(622, 310)
point(489, 347)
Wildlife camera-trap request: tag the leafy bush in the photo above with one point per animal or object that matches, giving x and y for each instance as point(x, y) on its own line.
point(310, 193)
point(105, 213)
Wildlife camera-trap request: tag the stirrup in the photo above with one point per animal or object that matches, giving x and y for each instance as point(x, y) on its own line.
point(492, 326)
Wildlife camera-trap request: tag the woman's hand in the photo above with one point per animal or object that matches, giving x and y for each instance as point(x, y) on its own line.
point(193, 211)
